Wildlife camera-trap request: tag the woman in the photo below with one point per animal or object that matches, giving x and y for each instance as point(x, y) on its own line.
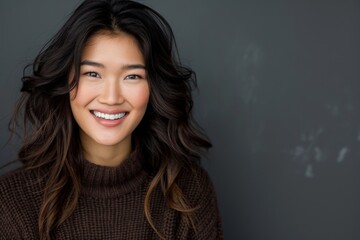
point(110, 148)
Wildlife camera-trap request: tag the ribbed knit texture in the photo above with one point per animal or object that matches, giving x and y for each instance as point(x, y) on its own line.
point(111, 205)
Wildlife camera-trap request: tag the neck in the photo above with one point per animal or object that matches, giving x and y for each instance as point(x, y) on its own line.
point(108, 182)
point(103, 155)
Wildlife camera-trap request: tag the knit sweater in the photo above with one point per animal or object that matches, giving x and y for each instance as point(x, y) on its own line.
point(111, 205)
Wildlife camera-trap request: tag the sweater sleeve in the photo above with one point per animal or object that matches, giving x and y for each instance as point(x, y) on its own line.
point(208, 223)
point(199, 191)
point(8, 228)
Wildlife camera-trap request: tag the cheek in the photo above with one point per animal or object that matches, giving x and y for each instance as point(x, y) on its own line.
point(138, 96)
point(76, 100)
point(143, 96)
point(82, 95)
point(72, 95)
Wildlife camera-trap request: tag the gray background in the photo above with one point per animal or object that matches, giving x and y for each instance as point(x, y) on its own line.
point(279, 84)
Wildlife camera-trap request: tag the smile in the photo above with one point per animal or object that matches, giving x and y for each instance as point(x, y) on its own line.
point(109, 116)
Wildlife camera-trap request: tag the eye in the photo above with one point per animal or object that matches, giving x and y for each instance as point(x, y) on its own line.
point(92, 74)
point(133, 77)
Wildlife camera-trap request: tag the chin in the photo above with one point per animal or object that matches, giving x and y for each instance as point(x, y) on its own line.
point(112, 140)
point(108, 142)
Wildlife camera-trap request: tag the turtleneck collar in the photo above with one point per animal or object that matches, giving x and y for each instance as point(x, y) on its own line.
point(108, 182)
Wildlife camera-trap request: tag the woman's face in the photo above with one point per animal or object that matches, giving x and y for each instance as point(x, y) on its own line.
point(113, 91)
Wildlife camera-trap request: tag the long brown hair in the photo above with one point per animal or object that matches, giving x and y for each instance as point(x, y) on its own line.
point(167, 139)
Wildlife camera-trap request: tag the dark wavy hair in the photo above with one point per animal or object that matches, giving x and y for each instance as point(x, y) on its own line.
point(166, 140)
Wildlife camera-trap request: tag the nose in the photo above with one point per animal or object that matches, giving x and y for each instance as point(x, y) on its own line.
point(111, 93)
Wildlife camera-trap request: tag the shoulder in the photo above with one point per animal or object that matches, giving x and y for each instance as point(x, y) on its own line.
point(199, 191)
point(196, 183)
point(19, 189)
point(18, 179)
point(11, 180)
point(20, 198)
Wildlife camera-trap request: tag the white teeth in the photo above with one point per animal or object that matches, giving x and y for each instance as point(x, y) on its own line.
point(108, 116)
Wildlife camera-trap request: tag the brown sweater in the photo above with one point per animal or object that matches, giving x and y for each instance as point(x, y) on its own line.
point(111, 206)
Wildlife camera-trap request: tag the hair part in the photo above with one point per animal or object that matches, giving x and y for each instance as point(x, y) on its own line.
point(167, 139)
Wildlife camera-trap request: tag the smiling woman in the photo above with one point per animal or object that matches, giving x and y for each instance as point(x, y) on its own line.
point(110, 148)
point(111, 97)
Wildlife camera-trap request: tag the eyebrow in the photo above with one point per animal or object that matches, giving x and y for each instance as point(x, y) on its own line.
point(126, 67)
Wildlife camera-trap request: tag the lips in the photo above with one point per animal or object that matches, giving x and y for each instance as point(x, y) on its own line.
point(109, 116)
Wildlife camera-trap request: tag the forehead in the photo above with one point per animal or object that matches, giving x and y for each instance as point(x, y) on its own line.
point(119, 45)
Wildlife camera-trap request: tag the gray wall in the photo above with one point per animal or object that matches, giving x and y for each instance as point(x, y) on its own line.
point(279, 84)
